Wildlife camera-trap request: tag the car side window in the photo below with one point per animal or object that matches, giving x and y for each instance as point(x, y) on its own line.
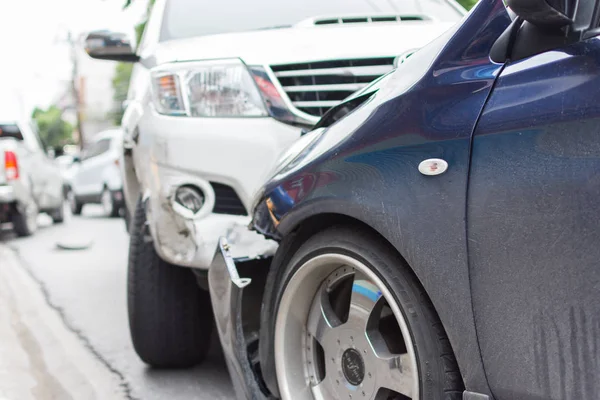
point(99, 147)
point(103, 146)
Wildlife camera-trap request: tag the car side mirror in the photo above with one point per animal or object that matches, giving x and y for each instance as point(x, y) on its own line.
point(542, 13)
point(542, 25)
point(76, 159)
point(107, 45)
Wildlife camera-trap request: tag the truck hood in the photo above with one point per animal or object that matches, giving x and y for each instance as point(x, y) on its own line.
point(304, 44)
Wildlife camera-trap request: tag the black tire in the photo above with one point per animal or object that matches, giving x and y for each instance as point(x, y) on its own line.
point(113, 209)
point(435, 358)
point(75, 205)
point(58, 215)
point(170, 317)
point(21, 226)
point(127, 218)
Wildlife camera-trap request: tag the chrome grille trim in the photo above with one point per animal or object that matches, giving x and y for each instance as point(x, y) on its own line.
point(315, 88)
point(350, 71)
point(312, 88)
point(313, 104)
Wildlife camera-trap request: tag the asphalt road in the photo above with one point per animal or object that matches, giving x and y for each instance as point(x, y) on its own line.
point(88, 290)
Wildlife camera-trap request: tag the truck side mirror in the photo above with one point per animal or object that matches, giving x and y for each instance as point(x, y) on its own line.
point(107, 45)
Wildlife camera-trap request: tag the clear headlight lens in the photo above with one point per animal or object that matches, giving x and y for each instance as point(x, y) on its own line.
point(207, 89)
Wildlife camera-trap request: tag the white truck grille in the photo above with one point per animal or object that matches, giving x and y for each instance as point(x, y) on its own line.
point(315, 87)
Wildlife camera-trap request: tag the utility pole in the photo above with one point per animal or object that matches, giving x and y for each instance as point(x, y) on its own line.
point(75, 93)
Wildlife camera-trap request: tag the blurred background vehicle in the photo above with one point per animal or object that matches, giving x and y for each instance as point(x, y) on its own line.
point(215, 98)
point(96, 177)
point(30, 180)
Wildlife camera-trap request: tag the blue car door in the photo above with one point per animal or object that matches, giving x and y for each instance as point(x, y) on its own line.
point(534, 227)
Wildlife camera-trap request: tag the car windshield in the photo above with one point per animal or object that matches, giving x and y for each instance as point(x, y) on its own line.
point(189, 18)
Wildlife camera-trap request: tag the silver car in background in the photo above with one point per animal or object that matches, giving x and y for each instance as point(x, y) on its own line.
point(96, 176)
point(30, 180)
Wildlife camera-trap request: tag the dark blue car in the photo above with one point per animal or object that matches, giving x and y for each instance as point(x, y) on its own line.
point(440, 231)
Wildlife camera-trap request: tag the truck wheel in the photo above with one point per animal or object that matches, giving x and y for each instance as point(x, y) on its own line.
point(127, 218)
point(58, 214)
point(25, 223)
point(170, 317)
point(75, 205)
point(347, 315)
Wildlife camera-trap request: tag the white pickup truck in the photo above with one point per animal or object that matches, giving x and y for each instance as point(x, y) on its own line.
point(219, 91)
point(30, 181)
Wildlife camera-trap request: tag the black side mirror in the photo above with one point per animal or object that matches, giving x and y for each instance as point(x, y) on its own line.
point(76, 159)
point(106, 45)
point(542, 25)
point(542, 13)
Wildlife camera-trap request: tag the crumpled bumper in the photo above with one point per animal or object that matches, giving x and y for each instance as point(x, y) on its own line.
point(226, 289)
point(190, 241)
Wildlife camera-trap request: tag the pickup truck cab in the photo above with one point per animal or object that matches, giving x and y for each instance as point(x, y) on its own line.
point(218, 92)
point(30, 181)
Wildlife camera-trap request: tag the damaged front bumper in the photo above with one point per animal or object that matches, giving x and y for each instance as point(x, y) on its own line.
point(188, 239)
point(226, 292)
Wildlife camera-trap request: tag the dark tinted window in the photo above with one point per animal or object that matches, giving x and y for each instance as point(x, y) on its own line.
point(11, 130)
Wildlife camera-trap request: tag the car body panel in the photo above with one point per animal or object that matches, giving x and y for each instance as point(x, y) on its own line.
point(365, 166)
point(304, 44)
point(195, 154)
point(534, 241)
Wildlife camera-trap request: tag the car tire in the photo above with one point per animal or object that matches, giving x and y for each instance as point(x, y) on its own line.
point(75, 205)
point(58, 214)
point(170, 316)
point(127, 218)
point(437, 376)
point(25, 224)
point(111, 209)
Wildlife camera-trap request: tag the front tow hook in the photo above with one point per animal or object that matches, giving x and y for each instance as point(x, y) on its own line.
point(226, 289)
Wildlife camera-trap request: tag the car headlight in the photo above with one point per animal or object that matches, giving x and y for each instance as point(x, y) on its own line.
point(221, 88)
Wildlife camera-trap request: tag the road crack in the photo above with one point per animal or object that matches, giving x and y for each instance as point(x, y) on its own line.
point(124, 383)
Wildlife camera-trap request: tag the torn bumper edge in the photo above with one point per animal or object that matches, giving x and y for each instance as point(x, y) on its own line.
point(226, 288)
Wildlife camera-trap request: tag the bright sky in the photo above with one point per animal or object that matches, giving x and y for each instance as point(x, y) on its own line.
point(33, 58)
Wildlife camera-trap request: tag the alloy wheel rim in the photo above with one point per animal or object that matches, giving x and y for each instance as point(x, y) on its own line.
point(340, 334)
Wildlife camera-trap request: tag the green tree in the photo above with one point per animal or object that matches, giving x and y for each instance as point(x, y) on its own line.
point(468, 4)
point(122, 76)
point(55, 132)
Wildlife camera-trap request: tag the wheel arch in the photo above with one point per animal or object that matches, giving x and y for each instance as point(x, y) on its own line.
point(305, 220)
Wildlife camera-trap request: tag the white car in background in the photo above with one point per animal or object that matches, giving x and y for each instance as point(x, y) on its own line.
point(30, 180)
point(96, 176)
point(219, 91)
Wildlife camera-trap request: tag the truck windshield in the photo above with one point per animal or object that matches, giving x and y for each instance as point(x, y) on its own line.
point(189, 18)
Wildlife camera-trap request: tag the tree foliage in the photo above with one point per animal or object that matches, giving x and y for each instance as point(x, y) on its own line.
point(120, 81)
point(468, 4)
point(54, 131)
